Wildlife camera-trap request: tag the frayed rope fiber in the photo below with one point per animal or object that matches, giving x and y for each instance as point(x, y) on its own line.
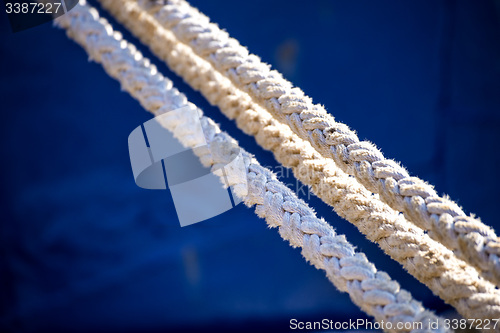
point(445, 221)
point(429, 261)
point(350, 271)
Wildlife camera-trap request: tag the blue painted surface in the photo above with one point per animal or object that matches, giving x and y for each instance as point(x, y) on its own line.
point(83, 249)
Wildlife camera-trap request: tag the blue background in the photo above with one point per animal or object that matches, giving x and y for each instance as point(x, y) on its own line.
point(83, 249)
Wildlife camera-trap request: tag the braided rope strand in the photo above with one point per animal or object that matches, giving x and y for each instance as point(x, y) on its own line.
point(446, 222)
point(451, 279)
point(370, 289)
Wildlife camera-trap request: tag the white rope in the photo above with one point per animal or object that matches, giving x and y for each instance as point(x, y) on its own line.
point(372, 290)
point(444, 219)
point(431, 263)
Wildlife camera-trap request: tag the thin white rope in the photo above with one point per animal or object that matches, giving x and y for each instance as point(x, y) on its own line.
point(446, 222)
point(430, 262)
point(350, 271)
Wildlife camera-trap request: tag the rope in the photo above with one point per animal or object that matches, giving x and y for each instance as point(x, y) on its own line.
point(350, 271)
point(446, 222)
point(449, 278)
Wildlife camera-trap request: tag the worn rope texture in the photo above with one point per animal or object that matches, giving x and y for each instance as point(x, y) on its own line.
point(444, 219)
point(372, 290)
point(431, 263)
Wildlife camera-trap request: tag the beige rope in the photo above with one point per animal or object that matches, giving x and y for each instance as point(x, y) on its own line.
point(372, 290)
point(451, 279)
point(444, 219)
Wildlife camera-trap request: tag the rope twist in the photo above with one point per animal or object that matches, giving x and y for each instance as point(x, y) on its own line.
point(350, 271)
point(403, 242)
point(446, 222)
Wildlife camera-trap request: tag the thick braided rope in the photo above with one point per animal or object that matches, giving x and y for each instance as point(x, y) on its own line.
point(370, 289)
point(444, 219)
point(451, 279)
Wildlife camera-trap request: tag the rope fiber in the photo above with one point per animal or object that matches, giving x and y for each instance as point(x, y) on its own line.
point(449, 278)
point(445, 221)
point(350, 271)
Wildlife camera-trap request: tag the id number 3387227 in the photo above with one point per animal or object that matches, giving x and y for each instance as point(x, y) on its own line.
point(33, 8)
